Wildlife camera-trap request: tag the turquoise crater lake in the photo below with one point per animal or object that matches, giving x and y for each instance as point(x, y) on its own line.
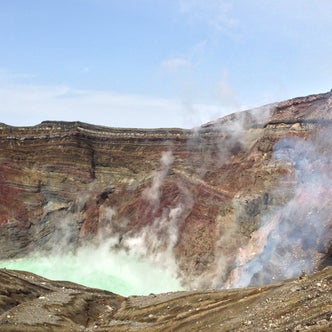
point(117, 272)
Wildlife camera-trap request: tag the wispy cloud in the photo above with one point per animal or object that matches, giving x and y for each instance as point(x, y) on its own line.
point(176, 63)
point(224, 93)
point(23, 104)
point(7, 76)
point(216, 14)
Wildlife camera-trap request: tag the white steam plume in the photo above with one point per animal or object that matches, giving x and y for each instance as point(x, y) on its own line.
point(293, 237)
point(157, 240)
point(152, 194)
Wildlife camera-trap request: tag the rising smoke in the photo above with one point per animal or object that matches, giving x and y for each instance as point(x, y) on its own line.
point(295, 235)
point(158, 239)
point(152, 193)
point(153, 244)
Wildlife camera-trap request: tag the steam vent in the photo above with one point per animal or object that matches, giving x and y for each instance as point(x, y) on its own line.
point(238, 210)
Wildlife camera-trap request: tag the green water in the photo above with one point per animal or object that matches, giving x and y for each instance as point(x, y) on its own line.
point(116, 272)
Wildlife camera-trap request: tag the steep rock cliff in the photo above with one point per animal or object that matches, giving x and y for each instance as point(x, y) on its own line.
point(241, 200)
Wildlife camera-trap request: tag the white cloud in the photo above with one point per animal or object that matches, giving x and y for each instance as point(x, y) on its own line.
point(23, 105)
point(176, 63)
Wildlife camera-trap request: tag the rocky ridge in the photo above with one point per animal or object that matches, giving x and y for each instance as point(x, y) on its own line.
point(32, 303)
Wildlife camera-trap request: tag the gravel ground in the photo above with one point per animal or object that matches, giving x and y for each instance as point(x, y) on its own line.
point(32, 303)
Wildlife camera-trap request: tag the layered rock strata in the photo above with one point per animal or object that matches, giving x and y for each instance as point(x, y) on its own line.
point(242, 200)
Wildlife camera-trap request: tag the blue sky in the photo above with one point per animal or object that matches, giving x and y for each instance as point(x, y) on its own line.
point(158, 63)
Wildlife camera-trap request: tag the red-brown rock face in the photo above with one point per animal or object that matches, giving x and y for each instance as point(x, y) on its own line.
point(245, 199)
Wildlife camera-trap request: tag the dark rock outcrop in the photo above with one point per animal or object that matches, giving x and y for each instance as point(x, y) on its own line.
point(235, 202)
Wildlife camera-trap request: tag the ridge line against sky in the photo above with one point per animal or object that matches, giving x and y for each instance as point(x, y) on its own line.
point(176, 63)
